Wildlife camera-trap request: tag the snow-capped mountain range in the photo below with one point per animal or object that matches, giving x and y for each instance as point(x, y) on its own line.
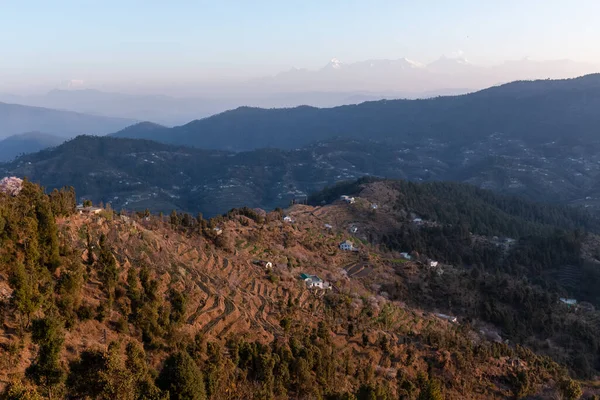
point(405, 75)
point(336, 83)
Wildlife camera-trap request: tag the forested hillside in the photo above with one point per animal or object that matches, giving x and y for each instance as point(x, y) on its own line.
point(130, 306)
point(511, 259)
point(534, 111)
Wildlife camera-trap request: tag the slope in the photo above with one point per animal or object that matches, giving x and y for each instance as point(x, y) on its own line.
point(167, 287)
point(142, 174)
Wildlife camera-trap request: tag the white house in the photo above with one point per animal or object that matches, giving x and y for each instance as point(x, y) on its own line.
point(406, 256)
point(314, 282)
point(353, 229)
point(417, 221)
point(88, 210)
point(374, 206)
point(317, 283)
point(569, 302)
point(347, 246)
point(433, 264)
point(269, 265)
point(328, 226)
point(450, 318)
point(287, 218)
point(347, 199)
point(217, 230)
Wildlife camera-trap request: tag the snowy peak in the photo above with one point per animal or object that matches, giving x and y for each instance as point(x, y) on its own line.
point(411, 63)
point(334, 63)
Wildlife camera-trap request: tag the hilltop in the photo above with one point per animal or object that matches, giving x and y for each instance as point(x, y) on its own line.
point(182, 287)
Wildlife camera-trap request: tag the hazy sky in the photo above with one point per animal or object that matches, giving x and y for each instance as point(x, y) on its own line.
point(46, 42)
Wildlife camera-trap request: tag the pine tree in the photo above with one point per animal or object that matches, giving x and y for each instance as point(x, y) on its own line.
point(46, 370)
point(181, 377)
point(26, 298)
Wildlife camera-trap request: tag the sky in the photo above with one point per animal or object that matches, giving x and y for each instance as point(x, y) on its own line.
point(133, 42)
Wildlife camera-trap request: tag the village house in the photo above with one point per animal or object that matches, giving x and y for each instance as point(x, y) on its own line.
point(353, 229)
point(314, 282)
point(417, 221)
point(287, 218)
point(433, 264)
point(348, 246)
point(347, 199)
point(449, 318)
point(406, 256)
point(217, 230)
point(328, 226)
point(374, 206)
point(88, 210)
point(569, 302)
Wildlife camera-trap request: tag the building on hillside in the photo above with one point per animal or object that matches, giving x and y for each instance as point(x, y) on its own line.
point(348, 246)
point(217, 230)
point(433, 264)
point(268, 265)
point(417, 221)
point(449, 318)
point(328, 226)
point(314, 282)
point(348, 199)
point(88, 210)
point(374, 206)
point(288, 219)
point(569, 302)
point(406, 256)
point(353, 229)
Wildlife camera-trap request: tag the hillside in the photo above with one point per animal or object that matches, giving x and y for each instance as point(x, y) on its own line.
point(138, 174)
point(536, 139)
point(127, 305)
point(530, 111)
point(16, 119)
point(25, 143)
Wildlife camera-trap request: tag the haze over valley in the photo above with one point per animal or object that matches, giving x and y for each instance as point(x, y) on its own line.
point(336, 83)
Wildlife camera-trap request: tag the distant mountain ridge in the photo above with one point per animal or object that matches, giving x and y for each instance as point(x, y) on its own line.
point(26, 143)
point(408, 75)
point(527, 110)
point(16, 119)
